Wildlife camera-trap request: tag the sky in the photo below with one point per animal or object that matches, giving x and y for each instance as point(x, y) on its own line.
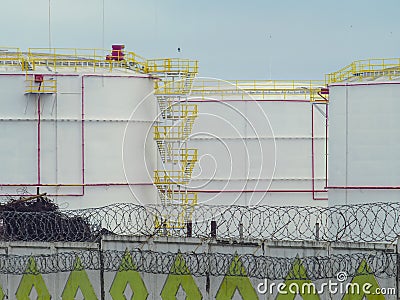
point(254, 39)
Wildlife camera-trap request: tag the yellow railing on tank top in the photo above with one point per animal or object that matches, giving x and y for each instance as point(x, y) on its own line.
point(368, 68)
point(259, 89)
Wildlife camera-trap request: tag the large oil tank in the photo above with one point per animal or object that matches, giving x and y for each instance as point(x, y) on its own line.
point(75, 127)
point(364, 125)
point(259, 142)
point(79, 127)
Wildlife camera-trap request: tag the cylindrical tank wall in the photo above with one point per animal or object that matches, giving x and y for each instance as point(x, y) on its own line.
point(251, 150)
point(92, 131)
point(259, 151)
point(364, 165)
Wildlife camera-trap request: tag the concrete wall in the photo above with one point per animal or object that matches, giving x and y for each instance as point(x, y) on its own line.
point(120, 281)
point(53, 284)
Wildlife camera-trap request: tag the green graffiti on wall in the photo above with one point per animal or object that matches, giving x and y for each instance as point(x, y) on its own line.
point(180, 277)
point(32, 279)
point(127, 275)
point(297, 278)
point(236, 279)
point(297, 283)
point(2, 295)
point(78, 279)
point(364, 281)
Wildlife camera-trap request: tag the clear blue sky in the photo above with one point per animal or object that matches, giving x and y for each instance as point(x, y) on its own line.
point(285, 39)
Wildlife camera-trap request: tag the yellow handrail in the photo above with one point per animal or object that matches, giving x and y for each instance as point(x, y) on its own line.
point(254, 85)
point(308, 89)
point(367, 68)
point(47, 85)
point(81, 57)
point(182, 111)
point(10, 52)
point(96, 58)
point(171, 132)
point(172, 65)
point(11, 56)
point(169, 177)
point(179, 197)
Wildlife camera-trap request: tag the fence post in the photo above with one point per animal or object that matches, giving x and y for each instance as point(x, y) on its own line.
point(241, 231)
point(189, 227)
point(213, 229)
point(101, 260)
point(164, 225)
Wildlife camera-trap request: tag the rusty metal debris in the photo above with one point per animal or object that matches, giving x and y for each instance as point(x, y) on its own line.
point(38, 218)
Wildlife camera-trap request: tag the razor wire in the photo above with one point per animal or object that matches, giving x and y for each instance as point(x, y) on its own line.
point(380, 264)
point(378, 222)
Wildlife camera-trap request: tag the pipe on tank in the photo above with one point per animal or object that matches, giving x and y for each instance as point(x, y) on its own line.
point(352, 187)
point(257, 191)
point(312, 160)
point(68, 185)
point(83, 134)
point(247, 100)
point(326, 143)
point(38, 139)
point(326, 133)
point(74, 184)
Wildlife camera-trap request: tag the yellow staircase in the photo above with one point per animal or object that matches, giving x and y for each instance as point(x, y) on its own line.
point(172, 134)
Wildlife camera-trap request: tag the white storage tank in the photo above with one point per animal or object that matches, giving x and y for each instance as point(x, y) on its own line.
point(364, 126)
point(259, 142)
point(75, 130)
point(79, 127)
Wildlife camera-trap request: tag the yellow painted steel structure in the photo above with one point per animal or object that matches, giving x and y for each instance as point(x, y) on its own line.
point(172, 65)
point(58, 58)
point(47, 86)
point(11, 56)
point(172, 136)
point(178, 163)
point(180, 131)
point(76, 58)
point(260, 89)
point(368, 68)
point(176, 76)
point(97, 59)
